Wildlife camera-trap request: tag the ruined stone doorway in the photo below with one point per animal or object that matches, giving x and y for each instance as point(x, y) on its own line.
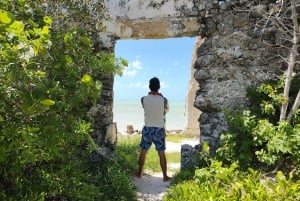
point(168, 59)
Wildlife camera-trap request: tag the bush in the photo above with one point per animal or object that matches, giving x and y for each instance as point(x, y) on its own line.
point(48, 81)
point(113, 182)
point(182, 177)
point(127, 153)
point(228, 183)
point(257, 140)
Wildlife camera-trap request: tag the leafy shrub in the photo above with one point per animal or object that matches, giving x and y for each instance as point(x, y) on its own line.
point(113, 182)
point(227, 183)
point(238, 146)
point(182, 177)
point(127, 153)
point(48, 81)
point(256, 137)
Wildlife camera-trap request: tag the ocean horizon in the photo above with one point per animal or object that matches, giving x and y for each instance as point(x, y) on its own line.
point(130, 112)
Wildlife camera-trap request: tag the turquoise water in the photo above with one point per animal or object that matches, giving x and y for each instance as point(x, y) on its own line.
point(131, 113)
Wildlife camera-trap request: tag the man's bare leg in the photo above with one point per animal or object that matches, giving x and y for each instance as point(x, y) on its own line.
point(142, 159)
point(163, 165)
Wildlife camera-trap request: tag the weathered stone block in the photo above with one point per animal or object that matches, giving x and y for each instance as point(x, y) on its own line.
point(189, 157)
point(259, 10)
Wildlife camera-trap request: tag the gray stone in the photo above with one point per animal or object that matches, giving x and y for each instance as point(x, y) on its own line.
point(204, 60)
point(188, 157)
point(259, 10)
point(236, 53)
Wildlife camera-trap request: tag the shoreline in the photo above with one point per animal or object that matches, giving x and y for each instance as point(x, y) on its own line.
point(170, 131)
point(130, 113)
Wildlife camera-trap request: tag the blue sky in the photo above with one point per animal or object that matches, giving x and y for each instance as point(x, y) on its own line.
point(167, 59)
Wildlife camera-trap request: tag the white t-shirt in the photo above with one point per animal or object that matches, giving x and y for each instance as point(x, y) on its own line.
point(155, 108)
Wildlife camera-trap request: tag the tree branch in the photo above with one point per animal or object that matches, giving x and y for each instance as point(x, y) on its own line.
point(295, 107)
point(291, 61)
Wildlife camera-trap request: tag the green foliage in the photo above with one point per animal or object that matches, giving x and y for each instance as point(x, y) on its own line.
point(228, 183)
point(113, 182)
point(256, 136)
point(127, 153)
point(182, 176)
point(128, 150)
point(48, 81)
point(268, 97)
point(175, 137)
point(237, 146)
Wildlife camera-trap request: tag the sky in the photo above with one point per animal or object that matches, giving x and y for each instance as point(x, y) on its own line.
point(167, 59)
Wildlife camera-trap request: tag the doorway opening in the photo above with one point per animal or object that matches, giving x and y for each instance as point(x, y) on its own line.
point(170, 61)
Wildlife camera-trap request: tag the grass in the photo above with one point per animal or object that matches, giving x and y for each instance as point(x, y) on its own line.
point(176, 138)
point(128, 151)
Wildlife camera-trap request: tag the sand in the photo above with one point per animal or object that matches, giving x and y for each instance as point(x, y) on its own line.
point(151, 187)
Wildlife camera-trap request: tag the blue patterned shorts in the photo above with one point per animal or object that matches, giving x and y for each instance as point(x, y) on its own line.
point(153, 135)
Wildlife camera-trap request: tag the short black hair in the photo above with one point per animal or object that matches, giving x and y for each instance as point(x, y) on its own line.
point(154, 84)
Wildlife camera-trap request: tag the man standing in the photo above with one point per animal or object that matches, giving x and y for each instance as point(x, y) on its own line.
point(155, 107)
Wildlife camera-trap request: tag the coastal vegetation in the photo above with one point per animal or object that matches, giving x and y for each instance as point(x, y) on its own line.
point(48, 82)
point(259, 156)
point(129, 147)
point(258, 160)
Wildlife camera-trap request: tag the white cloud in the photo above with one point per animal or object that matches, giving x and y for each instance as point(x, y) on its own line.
point(135, 85)
point(163, 85)
point(133, 68)
point(138, 85)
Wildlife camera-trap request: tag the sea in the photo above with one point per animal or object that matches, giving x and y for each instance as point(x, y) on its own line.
point(130, 112)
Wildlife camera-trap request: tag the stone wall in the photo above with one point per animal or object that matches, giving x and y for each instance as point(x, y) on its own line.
point(155, 18)
point(192, 114)
point(235, 53)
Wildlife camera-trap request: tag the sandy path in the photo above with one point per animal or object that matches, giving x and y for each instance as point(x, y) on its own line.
point(152, 187)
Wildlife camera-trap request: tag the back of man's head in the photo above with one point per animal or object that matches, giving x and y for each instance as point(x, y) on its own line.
point(154, 84)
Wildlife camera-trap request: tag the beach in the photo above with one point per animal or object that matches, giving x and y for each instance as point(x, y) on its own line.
point(130, 112)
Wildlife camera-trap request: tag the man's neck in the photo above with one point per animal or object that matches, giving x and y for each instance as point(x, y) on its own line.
point(155, 93)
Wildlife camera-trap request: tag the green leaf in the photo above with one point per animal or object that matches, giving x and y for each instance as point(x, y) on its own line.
point(47, 20)
point(86, 78)
point(1, 118)
point(40, 73)
point(205, 147)
point(85, 40)
point(47, 102)
point(45, 30)
point(6, 17)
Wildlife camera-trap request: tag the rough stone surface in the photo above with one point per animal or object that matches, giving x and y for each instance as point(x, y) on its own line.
point(155, 19)
point(192, 113)
point(189, 156)
point(233, 58)
point(236, 53)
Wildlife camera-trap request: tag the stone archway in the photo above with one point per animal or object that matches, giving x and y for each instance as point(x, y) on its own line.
point(236, 53)
point(153, 20)
point(161, 58)
point(230, 58)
